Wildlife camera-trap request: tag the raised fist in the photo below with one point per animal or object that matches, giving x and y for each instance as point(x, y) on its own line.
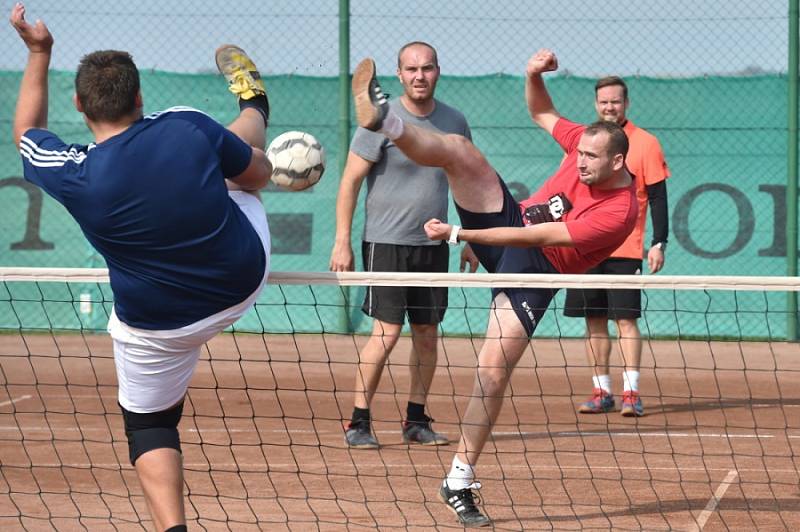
point(542, 61)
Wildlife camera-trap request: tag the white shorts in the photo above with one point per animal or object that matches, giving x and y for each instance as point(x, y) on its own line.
point(154, 367)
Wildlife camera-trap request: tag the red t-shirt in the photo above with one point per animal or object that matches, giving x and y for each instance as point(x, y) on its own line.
point(599, 221)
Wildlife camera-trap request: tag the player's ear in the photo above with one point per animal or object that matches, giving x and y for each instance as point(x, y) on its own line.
point(77, 103)
point(618, 162)
point(139, 101)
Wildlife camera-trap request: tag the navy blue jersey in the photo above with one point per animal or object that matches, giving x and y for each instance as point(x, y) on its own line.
point(152, 200)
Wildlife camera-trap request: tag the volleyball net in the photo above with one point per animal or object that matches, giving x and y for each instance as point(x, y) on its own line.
point(262, 432)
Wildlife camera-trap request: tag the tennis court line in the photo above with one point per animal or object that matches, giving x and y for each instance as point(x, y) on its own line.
point(637, 434)
point(15, 400)
point(713, 502)
point(110, 388)
point(231, 430)
point(291, 467)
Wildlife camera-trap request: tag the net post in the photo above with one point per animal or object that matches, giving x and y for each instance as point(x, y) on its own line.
point(343, 322)
point(792, 170)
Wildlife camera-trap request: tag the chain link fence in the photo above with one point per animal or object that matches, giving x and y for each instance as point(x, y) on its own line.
point(709, 79)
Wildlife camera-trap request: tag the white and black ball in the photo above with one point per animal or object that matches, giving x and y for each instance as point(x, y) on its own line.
point(298, 160)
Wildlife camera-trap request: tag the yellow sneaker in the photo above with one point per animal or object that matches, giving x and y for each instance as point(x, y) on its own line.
point(243, 78)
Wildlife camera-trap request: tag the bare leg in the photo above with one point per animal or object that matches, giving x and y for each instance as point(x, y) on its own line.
point(630, 343)
point(250, 127)
point(422, 363)
point(160, 473)
point(472, 179)
point(506, 340)
point(598, 345)
point(372, 360)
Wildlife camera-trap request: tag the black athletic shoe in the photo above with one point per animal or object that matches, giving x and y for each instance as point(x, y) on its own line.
point(421, 432)
point(463, 504)
point(359, 436)
point(370, 101)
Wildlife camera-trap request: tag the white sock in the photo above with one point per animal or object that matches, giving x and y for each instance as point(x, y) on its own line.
point(630, 381)
point(603, 382)
point(392, 126)
point(461, 475)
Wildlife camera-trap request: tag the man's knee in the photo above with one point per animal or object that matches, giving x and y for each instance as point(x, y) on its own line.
point(425, 337)
point(385, 334)
point(153, 430)
point(460, 143)
point(492, 381)
point(597, 327)
point(628, 328)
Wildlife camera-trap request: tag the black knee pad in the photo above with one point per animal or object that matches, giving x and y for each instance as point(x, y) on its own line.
point(154, 430)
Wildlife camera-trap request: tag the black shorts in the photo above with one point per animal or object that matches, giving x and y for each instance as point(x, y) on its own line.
point(529, 304)
point(602, 302)
point(424, 305)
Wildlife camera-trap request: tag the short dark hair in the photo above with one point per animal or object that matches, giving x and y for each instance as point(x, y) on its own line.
point(106, 84)
point(611, 81)
point(417, 43)
point(617, 139)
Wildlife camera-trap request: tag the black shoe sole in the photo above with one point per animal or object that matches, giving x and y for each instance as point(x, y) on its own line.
point(409, 441)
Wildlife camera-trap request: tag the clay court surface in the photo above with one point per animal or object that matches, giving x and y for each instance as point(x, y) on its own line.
point(719, 448)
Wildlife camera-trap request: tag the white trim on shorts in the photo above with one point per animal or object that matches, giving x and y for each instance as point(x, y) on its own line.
point(154, 367)
point(369, 269)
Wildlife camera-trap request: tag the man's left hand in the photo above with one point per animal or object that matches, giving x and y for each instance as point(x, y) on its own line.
point(655, 259)
point(469, 257)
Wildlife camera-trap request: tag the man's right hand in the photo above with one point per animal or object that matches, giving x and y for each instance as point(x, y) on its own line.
point(437, 230)
point(342, 258)
point(542, 61)
point(36, 37)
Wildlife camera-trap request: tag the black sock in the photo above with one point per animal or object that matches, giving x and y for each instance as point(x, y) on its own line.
point(260, 103)
point(177, 528)
point(360, 415)
point(415, 412)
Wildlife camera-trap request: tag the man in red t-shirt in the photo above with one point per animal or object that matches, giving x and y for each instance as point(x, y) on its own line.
point(575, 220)
point(598, 306)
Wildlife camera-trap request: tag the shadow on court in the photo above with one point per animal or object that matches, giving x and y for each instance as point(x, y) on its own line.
point(695, 405)
point(732, 504)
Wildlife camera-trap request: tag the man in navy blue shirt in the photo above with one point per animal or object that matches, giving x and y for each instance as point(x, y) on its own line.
point(170, 201)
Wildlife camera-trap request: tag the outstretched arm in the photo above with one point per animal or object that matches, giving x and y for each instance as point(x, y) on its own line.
point(540, 106)
point(544, 234)
point(32, 101)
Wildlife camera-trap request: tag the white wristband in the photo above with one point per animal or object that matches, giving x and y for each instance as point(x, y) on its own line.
point(453, 240)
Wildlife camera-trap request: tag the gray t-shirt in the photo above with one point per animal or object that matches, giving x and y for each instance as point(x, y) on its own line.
point(402, 195)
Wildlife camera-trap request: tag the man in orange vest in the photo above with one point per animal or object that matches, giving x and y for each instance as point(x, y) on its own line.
point(646, 162)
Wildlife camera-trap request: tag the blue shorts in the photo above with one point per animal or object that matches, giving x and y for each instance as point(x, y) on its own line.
point(528, 303)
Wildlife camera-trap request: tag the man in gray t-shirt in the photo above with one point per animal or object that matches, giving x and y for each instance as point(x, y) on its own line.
point(401, 196)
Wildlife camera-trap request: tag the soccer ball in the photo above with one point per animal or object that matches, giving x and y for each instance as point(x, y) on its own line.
point(298, 160)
